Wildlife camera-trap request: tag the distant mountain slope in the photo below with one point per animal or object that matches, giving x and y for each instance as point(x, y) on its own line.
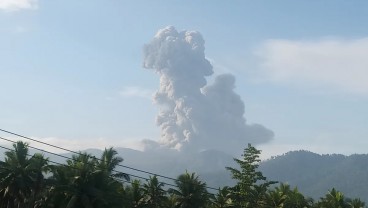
point(315, 174)
point(209, 165)
point(312, 173)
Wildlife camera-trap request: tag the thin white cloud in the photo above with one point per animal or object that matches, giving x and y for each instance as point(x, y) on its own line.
point(333, 63)
point(16, 5)
point(136, 92)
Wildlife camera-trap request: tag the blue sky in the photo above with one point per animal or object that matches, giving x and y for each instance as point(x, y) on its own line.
point(71, 71)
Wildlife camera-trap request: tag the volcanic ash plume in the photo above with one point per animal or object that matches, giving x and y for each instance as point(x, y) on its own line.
point(194, 115)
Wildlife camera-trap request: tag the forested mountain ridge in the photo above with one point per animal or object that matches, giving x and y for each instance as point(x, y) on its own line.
point(313, 173)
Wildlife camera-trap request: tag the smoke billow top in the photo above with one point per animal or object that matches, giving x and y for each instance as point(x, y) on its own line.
point(192, 114)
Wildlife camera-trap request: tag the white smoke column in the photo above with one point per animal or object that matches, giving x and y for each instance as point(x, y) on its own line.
point(192, 115)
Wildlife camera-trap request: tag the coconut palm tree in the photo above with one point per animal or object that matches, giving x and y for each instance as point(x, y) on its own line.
point(84, 183)
point(170, 202)
point(283, 196)
point(355, 203)
point(295, 199)
point(190, 192)
point(135, 195)
point(113, 187)
point(154, 194)
point(39, 166)
point(21, 177)
point(83, 179)
point(223, 199)
point(108, 163)
point(275, 199)
point(333, 199)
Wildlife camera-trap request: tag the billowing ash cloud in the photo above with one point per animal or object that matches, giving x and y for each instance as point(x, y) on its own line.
point(194, 115)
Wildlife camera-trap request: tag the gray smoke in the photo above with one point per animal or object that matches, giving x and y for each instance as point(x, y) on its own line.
point(192, 114)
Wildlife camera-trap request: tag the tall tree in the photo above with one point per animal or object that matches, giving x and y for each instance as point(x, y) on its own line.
point(135, 194)
point(21, 177)
point(295, 199)
point(283, 196)
point(154, 194)
point(190, 192)
point(40, 167)
point(275, 199)
point(108, 163)
point(251, 187)
point(223, 199)
point(88, 182)
point(333, 199)
point(83, 179)
point(355, 203)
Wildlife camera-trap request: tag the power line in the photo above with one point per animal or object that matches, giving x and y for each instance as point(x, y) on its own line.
point(57, 163)
point(76, 168)
point(78, 153)
point(66, 157)
point(70, 158)
point(63, 156)
point(73, 167)
point(124, 166)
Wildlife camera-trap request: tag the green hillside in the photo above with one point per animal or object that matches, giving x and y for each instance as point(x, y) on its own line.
point(313, 173)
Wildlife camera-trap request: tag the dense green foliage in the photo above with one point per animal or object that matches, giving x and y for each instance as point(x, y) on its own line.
point(252, 186)
point(85, 181)
point(314, 173)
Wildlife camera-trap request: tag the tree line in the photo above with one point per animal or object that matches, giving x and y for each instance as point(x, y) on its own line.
point(84, 181)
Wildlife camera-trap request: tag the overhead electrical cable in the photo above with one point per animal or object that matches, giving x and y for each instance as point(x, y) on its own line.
point(70, 158)
point(79, 153)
